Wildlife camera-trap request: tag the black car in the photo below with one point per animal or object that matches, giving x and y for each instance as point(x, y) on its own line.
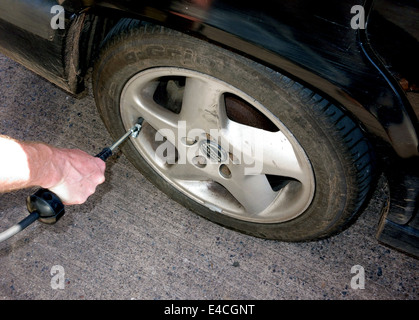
point(271, 118)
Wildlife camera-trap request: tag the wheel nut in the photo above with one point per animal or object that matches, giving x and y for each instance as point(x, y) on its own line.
point(225, 171)
point(199, 161)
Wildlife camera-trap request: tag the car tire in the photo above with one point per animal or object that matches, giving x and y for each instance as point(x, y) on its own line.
point(316, 162)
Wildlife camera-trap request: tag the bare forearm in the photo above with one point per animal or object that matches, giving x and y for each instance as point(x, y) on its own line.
point(21, 164)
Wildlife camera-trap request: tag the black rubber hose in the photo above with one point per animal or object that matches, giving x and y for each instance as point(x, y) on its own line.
point(19, 226)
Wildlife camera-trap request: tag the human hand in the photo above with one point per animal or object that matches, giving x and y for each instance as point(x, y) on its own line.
point(76, 175)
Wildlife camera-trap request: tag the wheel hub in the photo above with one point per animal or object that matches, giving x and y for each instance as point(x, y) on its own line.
point(213, 151)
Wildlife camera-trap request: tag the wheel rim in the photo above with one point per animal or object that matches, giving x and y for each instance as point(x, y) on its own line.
point(195, 136)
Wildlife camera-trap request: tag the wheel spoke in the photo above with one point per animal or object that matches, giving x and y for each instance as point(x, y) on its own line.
point(186, 172)
point(139, 100)
point(263, 152)
point(252, 191)
point(201, 105)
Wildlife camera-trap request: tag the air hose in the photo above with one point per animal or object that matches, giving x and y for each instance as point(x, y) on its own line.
point(19, 226)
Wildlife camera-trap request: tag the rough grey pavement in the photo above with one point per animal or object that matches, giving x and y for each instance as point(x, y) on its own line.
point(129, 241)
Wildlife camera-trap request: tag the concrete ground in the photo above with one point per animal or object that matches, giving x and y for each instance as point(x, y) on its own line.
point(129, 241)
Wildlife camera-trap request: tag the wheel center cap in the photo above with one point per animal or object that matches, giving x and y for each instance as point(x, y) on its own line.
point(213, 151)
